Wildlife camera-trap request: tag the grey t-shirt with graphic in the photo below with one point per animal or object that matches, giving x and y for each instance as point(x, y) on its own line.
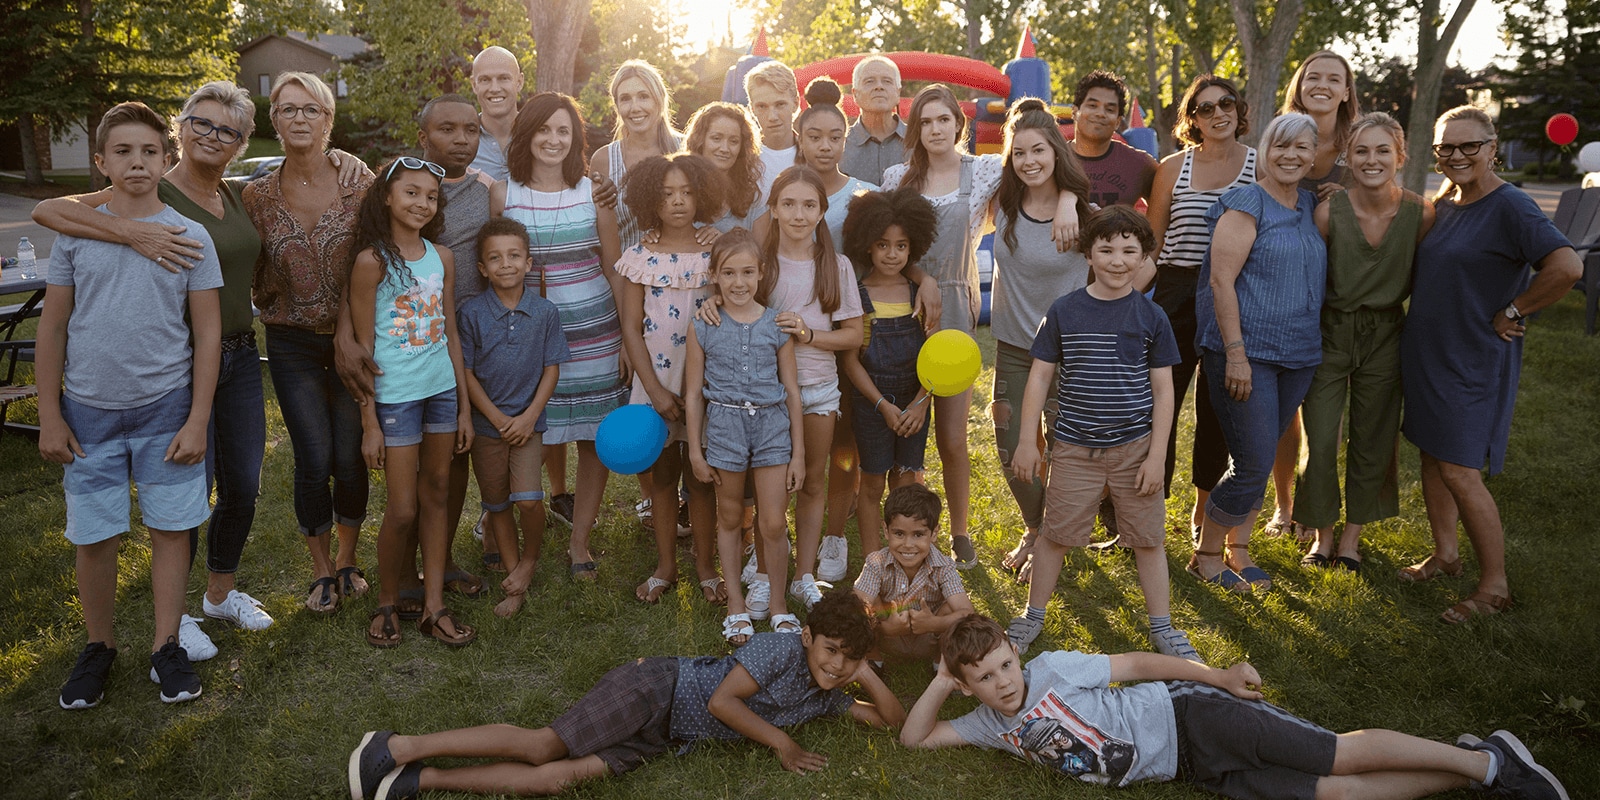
point(1073, 721)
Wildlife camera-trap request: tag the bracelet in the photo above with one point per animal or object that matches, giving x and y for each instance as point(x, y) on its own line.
point(881, 398)
point(811, 335)
point(1233, 344)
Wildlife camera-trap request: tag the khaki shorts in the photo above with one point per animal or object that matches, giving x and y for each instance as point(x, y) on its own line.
point(507, 474)
point(1081, 476)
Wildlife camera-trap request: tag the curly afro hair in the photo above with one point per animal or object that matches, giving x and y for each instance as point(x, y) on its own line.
point(646, 180)
point(842, 615)
point(871, 213)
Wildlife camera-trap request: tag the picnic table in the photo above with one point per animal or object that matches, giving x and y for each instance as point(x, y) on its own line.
point(13, 350)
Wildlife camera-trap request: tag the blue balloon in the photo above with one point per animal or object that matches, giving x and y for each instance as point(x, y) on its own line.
point(630, 439)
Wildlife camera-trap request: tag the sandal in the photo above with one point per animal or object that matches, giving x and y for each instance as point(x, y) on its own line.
point(328, 601)
point(492, 563)
point(1348, 564)
point(1315, 559)
point(347, 582)
point(409, 605)
point(430, 626)
point(1258, 577)
point(1278, 528)
point(1476, 604)
point(584, 571)
point(786, 623)
point(651, 590)
point(463, 583)
point(1227, 578)
point(389, 635)
point(1429, 568)
point(736, 626)
point(715, 591)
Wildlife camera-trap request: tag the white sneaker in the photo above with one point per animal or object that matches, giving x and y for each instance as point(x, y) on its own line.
point(240, 609)
point(747, 575)
point(834, 560)
point(757, 601)
point(194, 641)
point(806, 589)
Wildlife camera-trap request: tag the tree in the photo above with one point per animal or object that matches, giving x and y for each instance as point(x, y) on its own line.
point(1557, 70)
point(1433, 46)
point(557, 27)
point(277, 17)
point(44, 82)
point(1265, 48)
point(1388, 86)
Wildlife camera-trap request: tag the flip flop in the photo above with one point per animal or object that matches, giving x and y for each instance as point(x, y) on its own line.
point(430, 627)
point(717, 594)
point(463, 583)
point(347, 582)
point(409, 605)
point(1348, 564)
point(389, 634)
point(492, 563)
point(584, 571)
point(1314, 560)
point(651, 590)
point(1429, 568)
point(329, 602)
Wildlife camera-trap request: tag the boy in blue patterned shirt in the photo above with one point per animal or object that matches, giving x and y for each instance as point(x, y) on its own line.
point(652, 706)
point(1113, 350)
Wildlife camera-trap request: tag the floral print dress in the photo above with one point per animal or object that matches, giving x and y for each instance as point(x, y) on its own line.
point(676, 284)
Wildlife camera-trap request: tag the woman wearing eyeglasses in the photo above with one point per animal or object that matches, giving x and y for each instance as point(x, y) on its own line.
point(213, 128)
point(1461, 350)
point(307, 221)
point(1212, 117)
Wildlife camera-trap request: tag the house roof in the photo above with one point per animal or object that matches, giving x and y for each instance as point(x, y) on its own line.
point(328, 44)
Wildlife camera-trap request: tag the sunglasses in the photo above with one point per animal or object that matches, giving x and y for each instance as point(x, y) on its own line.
point(203, 127)
point(1206, 109)
point(1466, 148)
point(414, 163)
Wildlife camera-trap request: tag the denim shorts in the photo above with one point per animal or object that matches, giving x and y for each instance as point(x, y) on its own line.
point(820, 398)
point(124, 444)
point(404, 423)
point(878, 448)
point(739, 439)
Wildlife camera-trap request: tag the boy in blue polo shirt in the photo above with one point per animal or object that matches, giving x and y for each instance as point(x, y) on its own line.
point(512, 346)
point(1113, 350)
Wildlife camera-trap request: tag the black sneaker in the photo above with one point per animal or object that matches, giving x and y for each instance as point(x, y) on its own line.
point(562, 507)
point(1520, 776)
point(370, 762)
point(87, 683)
point(170, 667)
point(400, 784)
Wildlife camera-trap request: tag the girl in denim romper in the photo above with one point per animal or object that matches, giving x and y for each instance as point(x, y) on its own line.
point(889, 231)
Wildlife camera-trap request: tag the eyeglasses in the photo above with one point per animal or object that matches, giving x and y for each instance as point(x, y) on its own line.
point(203, 127)
point(414, 163)
point(1467, 148)
point(1206, 109)
point(311, 113)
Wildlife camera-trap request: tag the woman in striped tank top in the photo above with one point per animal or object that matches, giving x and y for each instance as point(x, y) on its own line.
point(1212, 117)
point(573, 245)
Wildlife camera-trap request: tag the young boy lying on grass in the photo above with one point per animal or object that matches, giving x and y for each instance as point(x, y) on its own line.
point(652, 706)
point(1197, 723)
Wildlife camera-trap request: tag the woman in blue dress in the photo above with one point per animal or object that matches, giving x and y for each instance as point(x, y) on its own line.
point(1461, 351)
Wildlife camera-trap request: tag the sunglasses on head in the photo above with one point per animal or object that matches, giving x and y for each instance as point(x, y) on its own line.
point(414, 163)
point(1227, 103)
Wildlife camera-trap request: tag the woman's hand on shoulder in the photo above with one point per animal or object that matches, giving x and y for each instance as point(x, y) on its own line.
point(352, 170)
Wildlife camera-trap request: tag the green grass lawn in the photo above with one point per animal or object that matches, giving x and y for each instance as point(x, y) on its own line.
point(283, 707)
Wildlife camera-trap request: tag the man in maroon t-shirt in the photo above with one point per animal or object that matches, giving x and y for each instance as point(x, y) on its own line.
point(1118, 174)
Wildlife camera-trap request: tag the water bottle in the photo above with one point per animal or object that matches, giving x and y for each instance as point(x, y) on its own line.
point(27, 265)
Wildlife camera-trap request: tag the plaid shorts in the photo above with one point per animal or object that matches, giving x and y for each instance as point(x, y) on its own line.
point(627, 716)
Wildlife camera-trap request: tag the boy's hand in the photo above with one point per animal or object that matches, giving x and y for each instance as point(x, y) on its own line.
point(703, 471)
point(798, 759)
point(57, 443)
point(710, 311)
point(1025, 461)
point(463, 432)
point(795, 476)
point(942, 674)
point(897, 623)
point(519, 429)
point(189, 446)
point(372, 447)
point(1241, 680)
point(1152, 475)
point(912, 419)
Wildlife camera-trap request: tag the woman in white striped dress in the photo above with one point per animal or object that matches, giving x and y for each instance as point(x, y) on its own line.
point(573, 244)
point(1211, 118)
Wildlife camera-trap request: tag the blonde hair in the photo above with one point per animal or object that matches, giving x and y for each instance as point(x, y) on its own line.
point(314, 86)
point(1384, 122)
point(774, 74)
point(666, 138)
point(1472, 113)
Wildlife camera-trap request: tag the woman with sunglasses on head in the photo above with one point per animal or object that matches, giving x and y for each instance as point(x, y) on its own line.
point(213, 129)
point(1211, 118)
point(1461, 350)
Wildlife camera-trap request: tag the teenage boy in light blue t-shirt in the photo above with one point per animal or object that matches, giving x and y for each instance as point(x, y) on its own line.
point(136, 403)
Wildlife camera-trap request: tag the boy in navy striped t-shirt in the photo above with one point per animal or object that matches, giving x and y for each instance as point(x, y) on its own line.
point(1112, 350)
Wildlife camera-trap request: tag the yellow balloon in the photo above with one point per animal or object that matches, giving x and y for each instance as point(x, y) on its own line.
point(948, 363)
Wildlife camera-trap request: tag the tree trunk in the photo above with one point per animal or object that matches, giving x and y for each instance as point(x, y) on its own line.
point(1433, 50)
point(97, 109)
point(557, 27)
point(974, 30)
point(1264, 53)
point(30, 150)
point(1152, 62)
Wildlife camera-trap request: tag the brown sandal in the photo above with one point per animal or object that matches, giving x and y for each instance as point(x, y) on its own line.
point(1430, 568)
point(430, 626)
point(1476, 604)
point(389, 635)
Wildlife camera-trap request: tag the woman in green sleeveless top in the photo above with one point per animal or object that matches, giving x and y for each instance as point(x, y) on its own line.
point(1372, 232)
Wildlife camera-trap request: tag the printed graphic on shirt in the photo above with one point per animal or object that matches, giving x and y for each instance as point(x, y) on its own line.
point(1053, 734)
point(417, 320)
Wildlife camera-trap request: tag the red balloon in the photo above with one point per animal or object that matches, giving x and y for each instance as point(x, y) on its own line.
point(1562, 129)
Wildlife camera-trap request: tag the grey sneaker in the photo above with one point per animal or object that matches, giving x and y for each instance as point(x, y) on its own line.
point(833, 559)
point(238, 608)
point(807, 590)
point(1174, 642)
point(966, 557)
point(1022, 631)
point(758, 600)
point(747, 575)
point(1520, 776)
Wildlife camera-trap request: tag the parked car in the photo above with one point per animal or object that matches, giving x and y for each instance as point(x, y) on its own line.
point(251, 169)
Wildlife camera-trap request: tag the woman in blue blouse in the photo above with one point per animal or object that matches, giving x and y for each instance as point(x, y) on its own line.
point(1461, 350)
point(1258, 305)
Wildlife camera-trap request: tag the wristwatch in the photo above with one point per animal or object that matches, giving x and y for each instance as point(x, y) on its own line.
point(1512, 313)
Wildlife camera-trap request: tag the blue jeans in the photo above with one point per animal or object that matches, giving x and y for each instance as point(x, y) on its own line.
point(236, 443)
point(1252, 429)
point(324, 425)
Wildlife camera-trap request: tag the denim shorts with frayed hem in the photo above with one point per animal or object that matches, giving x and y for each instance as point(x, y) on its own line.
point(404, 424)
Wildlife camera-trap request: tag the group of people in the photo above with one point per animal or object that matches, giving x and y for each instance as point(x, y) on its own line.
point(764, 280)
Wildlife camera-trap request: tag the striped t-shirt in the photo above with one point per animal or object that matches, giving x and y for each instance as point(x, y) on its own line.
point(1188, 235)
point(1105, 350)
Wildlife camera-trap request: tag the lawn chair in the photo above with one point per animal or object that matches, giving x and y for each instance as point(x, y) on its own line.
point(10, 391)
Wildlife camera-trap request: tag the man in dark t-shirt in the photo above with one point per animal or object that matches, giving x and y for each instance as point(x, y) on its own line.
point(1118, 174)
